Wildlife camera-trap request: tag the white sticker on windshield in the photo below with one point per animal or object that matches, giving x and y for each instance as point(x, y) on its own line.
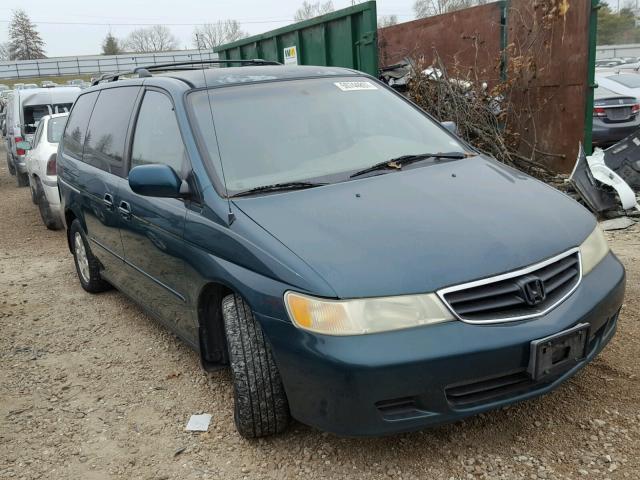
point(350, 86)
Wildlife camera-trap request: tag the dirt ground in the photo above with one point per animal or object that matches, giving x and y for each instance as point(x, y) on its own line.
point(92, 388)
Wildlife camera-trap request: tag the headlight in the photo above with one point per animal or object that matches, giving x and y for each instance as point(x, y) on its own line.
point(593, 250)
point(367, 315)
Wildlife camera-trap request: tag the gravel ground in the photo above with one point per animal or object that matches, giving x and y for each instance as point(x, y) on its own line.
point(93, 388)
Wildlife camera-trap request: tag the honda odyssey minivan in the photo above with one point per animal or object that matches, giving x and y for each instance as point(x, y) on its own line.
point(357, 266)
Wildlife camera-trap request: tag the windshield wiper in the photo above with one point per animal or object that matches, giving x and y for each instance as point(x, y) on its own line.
point(399, 162)
point(278, 187)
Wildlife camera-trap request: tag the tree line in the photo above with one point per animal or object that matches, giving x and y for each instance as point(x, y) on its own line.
point(25, 42)
point(618, 27)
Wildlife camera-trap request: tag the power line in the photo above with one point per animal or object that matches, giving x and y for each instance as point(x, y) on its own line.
point(142, 24)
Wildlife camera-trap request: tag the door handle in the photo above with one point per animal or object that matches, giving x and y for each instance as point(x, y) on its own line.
point(125, 210)
point(108, 201)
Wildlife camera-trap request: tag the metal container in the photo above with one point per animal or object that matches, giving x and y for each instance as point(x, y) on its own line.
point(345, 38)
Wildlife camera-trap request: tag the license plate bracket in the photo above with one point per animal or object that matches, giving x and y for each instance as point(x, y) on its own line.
point(619, 113)
point(557, 353)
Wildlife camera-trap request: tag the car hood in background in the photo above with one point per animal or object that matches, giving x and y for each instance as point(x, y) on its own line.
point(423, 228)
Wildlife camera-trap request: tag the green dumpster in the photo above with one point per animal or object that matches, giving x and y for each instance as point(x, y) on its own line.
point(345, 38)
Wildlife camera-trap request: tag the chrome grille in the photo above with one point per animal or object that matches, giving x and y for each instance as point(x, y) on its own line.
point(518, 295)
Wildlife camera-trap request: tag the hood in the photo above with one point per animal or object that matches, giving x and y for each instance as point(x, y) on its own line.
point(424, 228)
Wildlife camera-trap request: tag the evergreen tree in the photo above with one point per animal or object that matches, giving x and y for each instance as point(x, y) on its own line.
point(110, 45)
point(4, 51)
point(24, 40)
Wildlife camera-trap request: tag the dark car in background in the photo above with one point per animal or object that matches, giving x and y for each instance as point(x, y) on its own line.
point(615, 117)
point(358, 266)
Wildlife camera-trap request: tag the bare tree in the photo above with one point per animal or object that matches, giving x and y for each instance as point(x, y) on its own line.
point(157, 38)
point(309, 10)
point(632, 5)
point(387, 21)
point(428, 8)
point(211, 35)
point(25, 42)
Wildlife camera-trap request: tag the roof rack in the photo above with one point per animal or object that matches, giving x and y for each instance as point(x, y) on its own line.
point(146, 70)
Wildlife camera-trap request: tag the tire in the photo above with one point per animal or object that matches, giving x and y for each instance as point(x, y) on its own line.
point(51, 221)
point(260, 402)
point(12, 168)
point(87, 266)
point(22, 179)
point(34, 191)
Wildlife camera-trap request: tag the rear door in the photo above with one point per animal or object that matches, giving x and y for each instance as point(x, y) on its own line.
point(33, 154)
point(152, 228)
point(99, 172)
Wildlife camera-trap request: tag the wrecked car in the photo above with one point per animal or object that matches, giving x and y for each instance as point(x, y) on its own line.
point(357, 266)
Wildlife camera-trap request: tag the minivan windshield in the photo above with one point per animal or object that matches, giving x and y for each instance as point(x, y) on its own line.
point(318, 130)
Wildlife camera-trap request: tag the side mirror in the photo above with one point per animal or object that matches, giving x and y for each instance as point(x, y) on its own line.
point(24, 145)
point(451, 126)
point(155, 181)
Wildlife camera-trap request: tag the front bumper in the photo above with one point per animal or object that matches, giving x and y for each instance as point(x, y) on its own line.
point(409, 379)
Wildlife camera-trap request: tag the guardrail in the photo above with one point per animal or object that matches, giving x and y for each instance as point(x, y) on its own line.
point(95, 64)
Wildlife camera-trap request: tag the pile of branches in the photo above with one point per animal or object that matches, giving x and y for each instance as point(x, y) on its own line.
point(499, 119)
point(484, 116)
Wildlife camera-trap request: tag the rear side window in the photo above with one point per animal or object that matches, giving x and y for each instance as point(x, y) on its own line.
point(61, 107)
point(104, 145)
point(157, 136)
point(36, 138)
point(55, 128)
point(32, 115)
point(73, 138)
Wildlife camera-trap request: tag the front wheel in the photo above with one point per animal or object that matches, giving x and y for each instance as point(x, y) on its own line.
point(87, 266)
point(260, 402)
point(34, 191)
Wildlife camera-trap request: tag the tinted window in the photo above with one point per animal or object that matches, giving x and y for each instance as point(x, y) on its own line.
point(104, 145)
point(55, 128)
point(61, 107)
point(73, 139)
point(32, 115)
point(157, 138)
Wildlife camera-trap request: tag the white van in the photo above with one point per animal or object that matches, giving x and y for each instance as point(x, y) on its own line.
point(25, 108)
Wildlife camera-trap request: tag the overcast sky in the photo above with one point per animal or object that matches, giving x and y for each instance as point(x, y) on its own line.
point(74, 38)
